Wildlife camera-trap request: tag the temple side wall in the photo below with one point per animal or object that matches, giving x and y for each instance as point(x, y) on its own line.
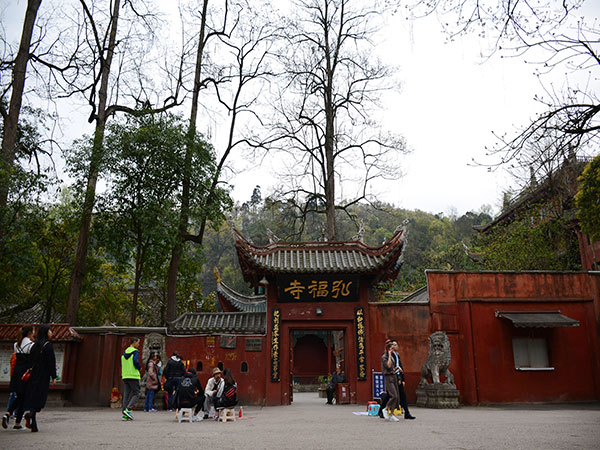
point(464, 305)
point(98, 367)
point(409, 324)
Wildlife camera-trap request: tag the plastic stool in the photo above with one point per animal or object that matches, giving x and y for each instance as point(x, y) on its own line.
point(373, 410)
point(227, 415)
point(184, 414)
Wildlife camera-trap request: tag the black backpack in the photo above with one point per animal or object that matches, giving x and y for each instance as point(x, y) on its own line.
point(229, 397)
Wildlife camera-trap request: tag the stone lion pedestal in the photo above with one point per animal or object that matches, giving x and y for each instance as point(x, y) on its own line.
point(436, 394)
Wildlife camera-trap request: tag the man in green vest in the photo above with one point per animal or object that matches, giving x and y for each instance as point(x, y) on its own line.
point(130, 372)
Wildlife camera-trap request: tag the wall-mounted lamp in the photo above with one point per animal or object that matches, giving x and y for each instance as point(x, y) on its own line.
point(318, 311)
point(264, 281)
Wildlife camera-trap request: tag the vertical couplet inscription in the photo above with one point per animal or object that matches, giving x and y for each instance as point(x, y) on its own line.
point(275, 343)
point(361, 352)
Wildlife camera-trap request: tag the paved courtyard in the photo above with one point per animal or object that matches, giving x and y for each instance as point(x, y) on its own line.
point(310, 424)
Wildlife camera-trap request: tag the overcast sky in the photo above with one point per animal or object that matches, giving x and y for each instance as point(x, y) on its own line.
point(452, 97)
point(451, 100)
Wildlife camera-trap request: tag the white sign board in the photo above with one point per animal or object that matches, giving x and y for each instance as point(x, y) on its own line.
point(6, 351)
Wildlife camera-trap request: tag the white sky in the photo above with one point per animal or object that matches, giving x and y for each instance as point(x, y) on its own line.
point(451, 101)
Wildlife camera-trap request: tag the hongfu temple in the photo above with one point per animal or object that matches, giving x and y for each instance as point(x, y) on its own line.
point(514, 336)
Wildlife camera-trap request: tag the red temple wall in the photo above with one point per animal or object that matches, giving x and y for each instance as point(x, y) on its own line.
point(464, 305)
point(192, 349)
point(409, 324)
point(461, 304)
point(98, 367)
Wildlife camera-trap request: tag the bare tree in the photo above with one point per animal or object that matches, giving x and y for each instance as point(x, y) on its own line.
point(243, 42)
point(107, 71)
point(10, 114)
point(554, 36)
point(327, 110)
point(184, 214)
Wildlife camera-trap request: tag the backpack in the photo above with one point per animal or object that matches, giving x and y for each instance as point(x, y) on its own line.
point(229, 397)
point(13, 362)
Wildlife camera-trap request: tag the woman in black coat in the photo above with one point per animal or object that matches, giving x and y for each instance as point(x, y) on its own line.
point(43, 369)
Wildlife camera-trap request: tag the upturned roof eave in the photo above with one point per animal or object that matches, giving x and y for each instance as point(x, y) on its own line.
point(389, 253)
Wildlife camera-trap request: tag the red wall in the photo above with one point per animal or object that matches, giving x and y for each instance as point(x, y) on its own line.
point(464, 305)
point(98, 367)
point(251, 385)
point(310, 358)
point(461, 304)
point(409, 324)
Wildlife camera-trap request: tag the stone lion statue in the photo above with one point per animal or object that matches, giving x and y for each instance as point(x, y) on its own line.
point(438, 360)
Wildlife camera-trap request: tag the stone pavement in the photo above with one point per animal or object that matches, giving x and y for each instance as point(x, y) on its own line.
point(310, 424)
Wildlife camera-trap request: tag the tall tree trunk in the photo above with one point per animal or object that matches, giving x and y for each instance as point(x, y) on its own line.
point(184, 215)
point(330, 58)
point(78, 273)
point(139, 265)
point(11, 120)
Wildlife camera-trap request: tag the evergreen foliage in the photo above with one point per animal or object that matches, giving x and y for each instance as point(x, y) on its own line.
point(587, 200)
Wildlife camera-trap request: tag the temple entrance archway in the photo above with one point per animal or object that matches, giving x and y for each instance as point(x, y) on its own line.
point(314, 354)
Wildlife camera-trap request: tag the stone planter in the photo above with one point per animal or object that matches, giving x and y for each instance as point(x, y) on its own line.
point(322, 391)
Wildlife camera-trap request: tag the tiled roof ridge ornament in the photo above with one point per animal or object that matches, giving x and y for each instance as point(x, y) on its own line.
point(399, 235)
point(272, 236)
point(403, 231)
point(360, 234)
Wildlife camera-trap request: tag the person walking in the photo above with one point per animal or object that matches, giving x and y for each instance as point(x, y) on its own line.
point(43, 369)
point(130, 372)
point(151, 382)
point(391, 381)
point(401, 383)
point(22, 349)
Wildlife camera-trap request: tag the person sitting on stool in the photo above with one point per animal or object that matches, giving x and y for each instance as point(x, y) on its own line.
point(190, 394)
point(337, 377)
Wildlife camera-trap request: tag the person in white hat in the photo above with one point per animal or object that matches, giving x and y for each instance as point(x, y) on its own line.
point(213, 390)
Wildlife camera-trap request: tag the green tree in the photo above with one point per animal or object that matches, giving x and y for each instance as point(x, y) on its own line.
point(145, 155)
point(587, 200)
point(36, 260)
point(522, 245)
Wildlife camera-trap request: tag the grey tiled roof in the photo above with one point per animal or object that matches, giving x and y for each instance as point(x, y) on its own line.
point(244, 303)
point(321, 257)
point(35, 314)
point(306, 260)
point(421, 295)
point(220, 323)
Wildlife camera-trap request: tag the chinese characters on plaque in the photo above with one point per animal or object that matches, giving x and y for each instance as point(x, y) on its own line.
point(275, 343)
point(361, 351)
point(321, 288)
